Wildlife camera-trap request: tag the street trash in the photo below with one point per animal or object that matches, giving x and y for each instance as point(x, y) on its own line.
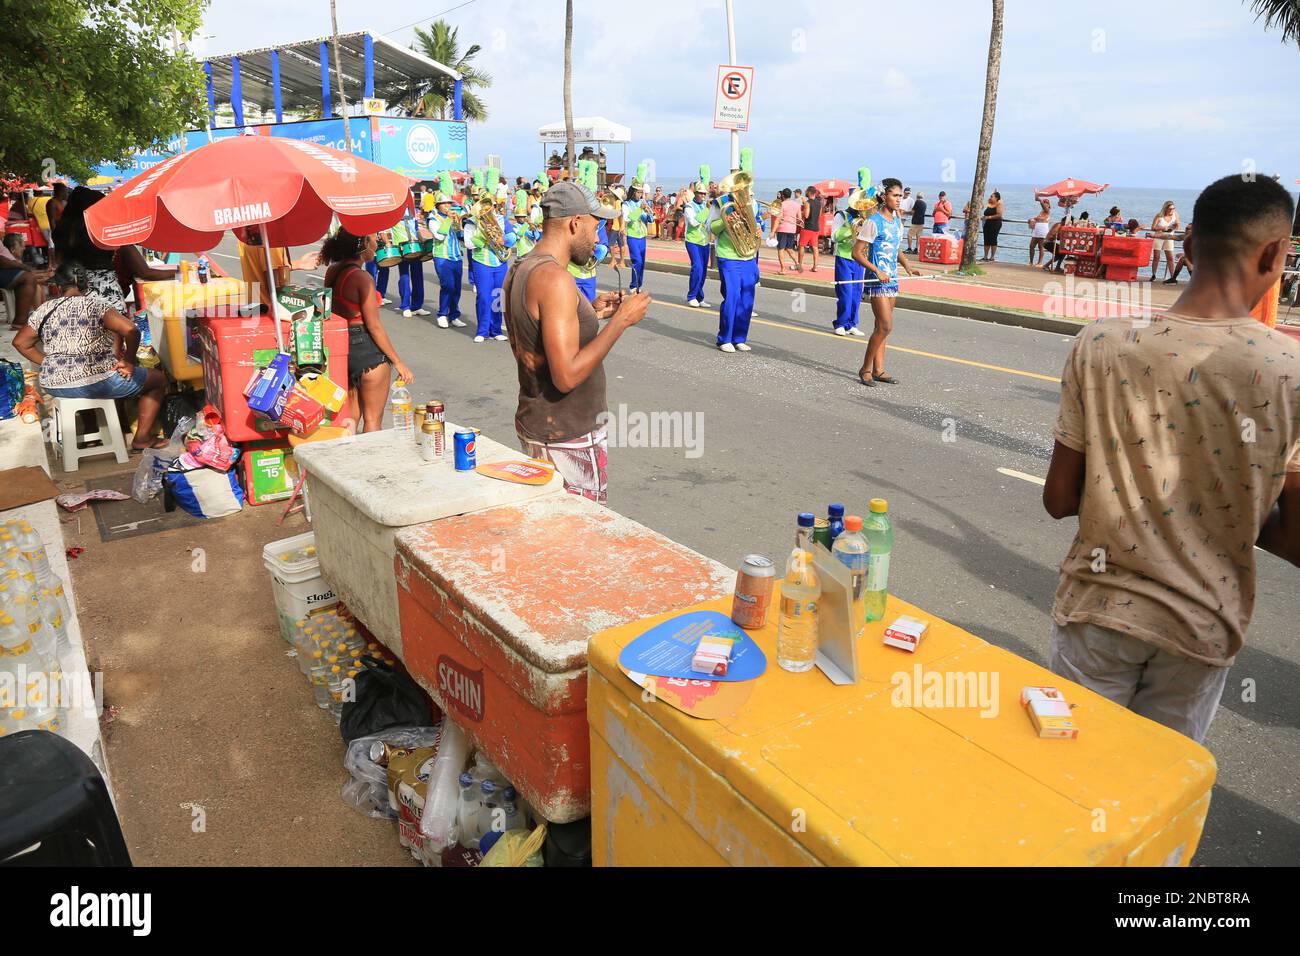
point(517, 848)
point(202, 492)
point(367, 791)
point(410, 775)
point(82, 500)
point(385, 697)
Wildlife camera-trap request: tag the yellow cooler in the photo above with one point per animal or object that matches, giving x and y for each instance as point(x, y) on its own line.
point(174, 336)
point(928, 760)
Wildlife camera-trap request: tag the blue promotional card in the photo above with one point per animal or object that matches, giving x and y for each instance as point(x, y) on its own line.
point(666, 649)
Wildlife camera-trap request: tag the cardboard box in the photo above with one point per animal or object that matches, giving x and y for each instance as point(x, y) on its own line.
point(269, 387)
point(712, 656)
point(905, 633)
point(324, 390)
point(301, 412)
point(269, 472)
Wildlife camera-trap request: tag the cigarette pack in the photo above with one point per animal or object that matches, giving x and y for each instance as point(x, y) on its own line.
point(1049, 712)
point(906, 633)
point(712, 656)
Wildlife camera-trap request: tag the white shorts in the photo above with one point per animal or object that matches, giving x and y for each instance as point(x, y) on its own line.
point(1163, 245)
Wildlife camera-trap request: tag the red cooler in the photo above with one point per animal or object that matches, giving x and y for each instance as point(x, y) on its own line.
point(940, 251)
point(233, 347)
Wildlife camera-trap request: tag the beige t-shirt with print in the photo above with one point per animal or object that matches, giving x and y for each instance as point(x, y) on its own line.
point(1189, 427)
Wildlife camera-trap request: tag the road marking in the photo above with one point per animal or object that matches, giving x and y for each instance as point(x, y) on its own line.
point(934, 355)
point(1032, 479)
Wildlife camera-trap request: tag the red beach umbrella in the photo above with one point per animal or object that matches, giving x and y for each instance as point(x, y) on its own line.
point(834, 187)
point(1069, 191)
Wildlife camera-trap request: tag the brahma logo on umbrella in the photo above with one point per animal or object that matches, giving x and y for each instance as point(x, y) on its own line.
point(422, 145)
point(249, 212)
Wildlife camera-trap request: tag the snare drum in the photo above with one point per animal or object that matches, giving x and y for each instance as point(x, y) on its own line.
point(387, 256)
point(426, 250)
point(411, 249)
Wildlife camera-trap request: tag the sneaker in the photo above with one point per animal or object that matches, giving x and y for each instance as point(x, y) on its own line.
point(858, 332)
point(1171, 281)
point(385, 300)
point(841, 331)
point(727, 347)
point(743, 347)
point(457, 324)
point(479, 338)
point(501, 338)
point(693, 303)
point(407, 313)
point(423, 312)
point(442, 321)
point(705, 305)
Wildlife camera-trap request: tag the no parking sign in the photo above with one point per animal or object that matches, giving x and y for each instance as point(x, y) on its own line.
point(731, 97)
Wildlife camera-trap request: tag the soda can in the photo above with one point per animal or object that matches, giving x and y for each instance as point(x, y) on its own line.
point(465, 449)
point(822, 533)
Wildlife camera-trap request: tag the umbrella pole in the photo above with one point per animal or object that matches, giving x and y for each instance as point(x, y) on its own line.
point(270, 280)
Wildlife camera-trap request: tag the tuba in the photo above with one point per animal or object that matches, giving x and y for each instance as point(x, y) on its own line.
point(485, 217)
point(737, 208)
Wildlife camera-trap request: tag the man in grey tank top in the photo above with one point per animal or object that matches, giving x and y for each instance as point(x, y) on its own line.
point(559, 345)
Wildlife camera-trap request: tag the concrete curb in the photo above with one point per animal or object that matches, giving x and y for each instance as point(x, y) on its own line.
point(963, 310)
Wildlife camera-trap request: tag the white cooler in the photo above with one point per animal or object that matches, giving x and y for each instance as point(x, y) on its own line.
point(365, 488)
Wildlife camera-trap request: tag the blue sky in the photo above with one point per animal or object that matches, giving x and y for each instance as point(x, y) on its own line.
point(1170, 93)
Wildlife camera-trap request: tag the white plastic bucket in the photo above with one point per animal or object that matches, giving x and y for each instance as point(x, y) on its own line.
point(296, 581)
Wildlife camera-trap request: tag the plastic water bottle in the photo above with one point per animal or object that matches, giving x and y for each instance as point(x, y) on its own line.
point(835, 518)
point(55, 620)
point(488, 803)
point(319, 676)
point(854, 552)
point(33, 549)
point(203, 269)
point(403, 409)
point(796, 636)
point(880, 534)
point(467, 809)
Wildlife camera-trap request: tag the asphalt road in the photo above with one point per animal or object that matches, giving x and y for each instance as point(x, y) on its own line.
point(954, 447)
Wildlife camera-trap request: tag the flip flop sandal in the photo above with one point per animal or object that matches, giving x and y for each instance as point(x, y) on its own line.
point(869, 382)
point(887, 379)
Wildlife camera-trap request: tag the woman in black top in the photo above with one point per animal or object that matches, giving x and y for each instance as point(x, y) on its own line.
point(73, 246)
point(992, 226)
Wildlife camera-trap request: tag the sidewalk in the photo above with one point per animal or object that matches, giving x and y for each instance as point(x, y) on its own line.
point(1007, 291)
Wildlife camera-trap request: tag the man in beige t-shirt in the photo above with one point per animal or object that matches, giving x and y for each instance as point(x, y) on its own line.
point(1178, 446)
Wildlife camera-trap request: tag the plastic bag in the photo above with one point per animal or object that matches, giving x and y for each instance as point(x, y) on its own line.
point(367, 791)
point(148, 481)
point(438, 822)
point(517, 848)
point(385, 698)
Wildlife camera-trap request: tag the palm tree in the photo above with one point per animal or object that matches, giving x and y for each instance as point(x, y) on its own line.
point(986, 137)
point(1282, 15)
point(568, 87)
point(434, 96)
point(338, 79)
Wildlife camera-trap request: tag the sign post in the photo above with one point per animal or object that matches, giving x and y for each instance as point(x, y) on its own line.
point(731, 99)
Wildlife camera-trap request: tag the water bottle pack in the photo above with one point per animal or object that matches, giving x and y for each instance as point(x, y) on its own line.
point(331, 651)
point(33, 632)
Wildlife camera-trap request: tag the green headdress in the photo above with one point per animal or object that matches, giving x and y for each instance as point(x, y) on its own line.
point(587, 171)
point(642, 174)
point(491, 178)
point(747, 160)
point(446, 189)
point(543, 179)
point(477, 176)
point(701, 185)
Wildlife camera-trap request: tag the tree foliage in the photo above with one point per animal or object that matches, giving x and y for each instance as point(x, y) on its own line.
point(1280, 15)
point(433, 97)
point(90, 81)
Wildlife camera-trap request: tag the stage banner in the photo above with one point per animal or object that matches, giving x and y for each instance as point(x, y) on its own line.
point(419, 148)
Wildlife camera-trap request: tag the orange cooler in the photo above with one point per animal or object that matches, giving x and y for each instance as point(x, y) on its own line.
point(496, 609)
point(228, 348)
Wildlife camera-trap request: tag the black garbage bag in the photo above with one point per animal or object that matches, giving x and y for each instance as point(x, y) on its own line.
point(568, 844)
point(176, 406)
point(385, 697)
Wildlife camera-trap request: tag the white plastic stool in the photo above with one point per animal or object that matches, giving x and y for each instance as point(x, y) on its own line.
point(11, 305)
point(107, 439)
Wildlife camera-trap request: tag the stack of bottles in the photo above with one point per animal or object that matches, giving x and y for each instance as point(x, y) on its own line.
point(331, 650)
point(864, 546)
point(33, 632)
point(488, 805)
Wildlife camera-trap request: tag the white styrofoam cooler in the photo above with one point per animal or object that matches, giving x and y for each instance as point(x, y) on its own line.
point(364, 488)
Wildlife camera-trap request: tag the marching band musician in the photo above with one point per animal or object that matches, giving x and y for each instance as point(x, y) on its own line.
point(698, 239)
point(737, 268)
point(528, 225)
point(849, 273)
point(380, 273)
point(584, 276)
point(410, 272)
point(637, 215)
point(488, 245)
point(448, 252)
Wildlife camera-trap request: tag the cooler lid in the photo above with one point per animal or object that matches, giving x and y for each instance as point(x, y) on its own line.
point(545, 575)
point(384, 477)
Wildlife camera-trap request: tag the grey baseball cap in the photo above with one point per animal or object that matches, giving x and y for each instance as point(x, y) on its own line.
point(573, 199)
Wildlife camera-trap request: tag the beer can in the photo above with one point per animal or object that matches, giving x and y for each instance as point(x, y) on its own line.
point(465, 449)
point(753, 597)
point(822, 532)
point(429, 434)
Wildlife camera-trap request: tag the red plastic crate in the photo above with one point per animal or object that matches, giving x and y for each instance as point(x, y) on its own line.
point(1119, 273)
point(1087, 268)
point(939, 251)
point(1126, 250)
point(1078, 242)
point(228, 346)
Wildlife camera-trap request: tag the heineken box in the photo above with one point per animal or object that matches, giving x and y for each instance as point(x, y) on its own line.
point(268, 471)
point(308, 306)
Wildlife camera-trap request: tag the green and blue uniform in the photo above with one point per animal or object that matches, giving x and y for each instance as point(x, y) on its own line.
point(739, 279)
